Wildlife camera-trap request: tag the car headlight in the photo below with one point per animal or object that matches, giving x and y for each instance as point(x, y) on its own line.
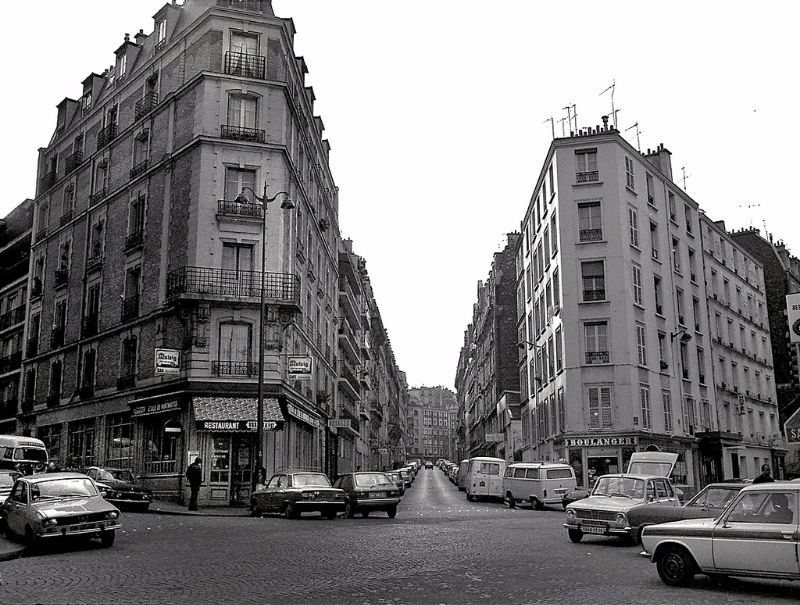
point(622, 520)
point(50, 522)
point(306, 495)
point(570, 515)
point(112, 515)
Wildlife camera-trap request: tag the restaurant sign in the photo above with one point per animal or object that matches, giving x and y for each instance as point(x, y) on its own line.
point(600, 441)
point(234, 425)
point(155, 408)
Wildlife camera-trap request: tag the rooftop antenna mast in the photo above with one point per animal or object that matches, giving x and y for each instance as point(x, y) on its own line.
point(563, 130)
point(575, 116)
point(569, 115)
point(684, 176)
point(638, 132)
point(748, 206)
point(613, 111)
point(552, 125)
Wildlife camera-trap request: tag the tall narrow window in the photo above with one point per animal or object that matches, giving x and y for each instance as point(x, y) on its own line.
point(128, 361)
point(633, 227)
point(650, 189)
point(559, 350)
point(590, 226)
point(242, 112)
point(672, 209)
point(637, 284)
point(554, 233)
point(659, 296)
point(594, 281)
point(235, 349)
point(680, 307)
point(662, 350)
point(641, 344)
point(596, 342)
point(666, 402)
point(676, 255)
point(644, 397)
point(601, 413)
point(687, 213)
point(629, 180)
point(556, 289)
point(654, 248)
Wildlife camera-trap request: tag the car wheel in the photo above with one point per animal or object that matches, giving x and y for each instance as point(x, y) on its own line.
point(535, 503)
point(510, 500)
point(349, 510)
point(575, 535)
point(470, 497)
point(254, 510)
point(107, 538)
point(4, 527)
point(364, 514)
point(392, 512)
point(675, 566)
point(290, 512)
point(30, 538)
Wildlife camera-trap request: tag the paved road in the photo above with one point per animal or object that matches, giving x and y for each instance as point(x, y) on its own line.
point(440, 549)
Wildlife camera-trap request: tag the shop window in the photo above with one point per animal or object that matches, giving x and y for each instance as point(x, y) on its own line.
point(80, 444)
point(118, 441)
point(51, 435)
point(162, 439)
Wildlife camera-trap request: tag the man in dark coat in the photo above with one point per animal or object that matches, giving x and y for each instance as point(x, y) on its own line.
point(194, 473)
point(764, 477)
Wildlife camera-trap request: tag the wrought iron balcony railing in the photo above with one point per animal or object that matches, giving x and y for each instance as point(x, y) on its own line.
point(240, 133)
point(65, 218)
point(97, 195)
point(106, 135)
point(73, 160)
point(130, 308)
point(243, 64)
point(595, 357)
point(234, 368)
point(140, 168)
point(587, 177)
point(40, 234)
point(12, 317)
point(61, 277)
point(240, 209)
point(196, 282)
point(147, 103)
point(94, 262)
point(594, 295)
point(49, 179)
point(590, 235)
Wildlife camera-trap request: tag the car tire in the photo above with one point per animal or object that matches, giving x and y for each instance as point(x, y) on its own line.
point(349, 510)
point(470, 497)
point(107, 538)
point(536, 504)
point(254, 510)
point(392, 512)
point(675, 566)
point(290, 512)
point(30, 538)
point(575, 535)
point(510, 500)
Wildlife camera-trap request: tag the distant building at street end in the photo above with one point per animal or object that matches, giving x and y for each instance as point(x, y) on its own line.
point(431, 421)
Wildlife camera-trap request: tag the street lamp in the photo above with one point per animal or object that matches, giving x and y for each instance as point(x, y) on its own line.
point(286, 204)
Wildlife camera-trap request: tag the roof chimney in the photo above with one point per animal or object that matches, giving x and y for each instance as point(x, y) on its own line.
point(605, 122)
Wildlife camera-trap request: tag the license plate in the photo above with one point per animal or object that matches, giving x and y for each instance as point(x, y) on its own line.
point(377, 494)
point(588, 529)
point(560, 490)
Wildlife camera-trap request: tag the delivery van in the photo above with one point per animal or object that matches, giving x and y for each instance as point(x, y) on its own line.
point(485, 478)
point(461, 477)
point(537, 483)
point(27, 455)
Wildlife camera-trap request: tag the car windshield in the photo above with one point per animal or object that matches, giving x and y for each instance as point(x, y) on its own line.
point(120, 474)
point(310, 480)
point(30, 453)
point(370, 479)
point(714, 497)
point(619, 486)
point(60, 488)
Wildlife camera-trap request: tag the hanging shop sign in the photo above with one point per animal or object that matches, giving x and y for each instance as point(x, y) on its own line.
point(168, 361)
point(300, 367)
point(793, 315)
point(339, 424)
point(792, 428)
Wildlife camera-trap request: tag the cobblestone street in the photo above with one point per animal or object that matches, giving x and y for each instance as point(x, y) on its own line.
point(439, 549)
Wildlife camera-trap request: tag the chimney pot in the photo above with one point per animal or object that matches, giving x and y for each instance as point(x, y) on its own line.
point(127, 37)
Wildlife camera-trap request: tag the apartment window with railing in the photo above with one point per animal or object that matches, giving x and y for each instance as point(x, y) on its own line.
point(680, 306)
point(654, 247)
point(666, 402)
point(586, 165)
point(593, 280)
point(243, 119)
point(696, 313)
point(554, 233)
point(673, 211)
point(59, 323)
point(141, 146)
point(590, 226)
point(235, 356)
point(559, 350)
point(636, 272)
point(92, 310)
point(684, 359)
point(633, 227)
point(662, 350)
point(629, 178)
point(546, 249)
point(87, 373)
point(644, 400)
point(596, 342)
point(54, 394)
point(601, 412)
point(641, 344)
point(130, 300)
point(556, 289)
point(540, 261)
point(676, 255)
point(701, 365)
point(650, 189)
point(136, 219)
point(687, 214)
point(689, 415)
point(692, 266)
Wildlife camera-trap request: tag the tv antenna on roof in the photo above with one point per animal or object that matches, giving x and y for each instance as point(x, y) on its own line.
point(552, 125)
point(563, 130)
point(748, 206)
point(638, 132)
point(569, 115)
point(684, 176)
point(613, 112)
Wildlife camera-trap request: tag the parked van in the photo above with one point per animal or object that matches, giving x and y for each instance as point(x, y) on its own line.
point(537, 483)
point(485, 478)
point(28, 455)
point(461, 477)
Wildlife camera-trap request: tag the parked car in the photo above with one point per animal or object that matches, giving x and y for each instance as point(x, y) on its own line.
point(537, 483)
point(365, 492)
point(52, 505)
point(452, 472)
point(408, 479)
point(7, 479)
point(485, 478)
point(757, 535)
point(292, 493)
point(398, 480)
point(118, 485)
point(604, 512)
point(461, 475)
point(707, 503)
point(428, 464)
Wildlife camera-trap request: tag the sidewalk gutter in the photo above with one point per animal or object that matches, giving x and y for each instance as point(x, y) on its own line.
point(10, 550)
point(170, 508)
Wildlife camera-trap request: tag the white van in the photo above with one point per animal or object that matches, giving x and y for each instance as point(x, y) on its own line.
point(537, 483)
point(485, 478)
point(461, 477)
point(26, 454)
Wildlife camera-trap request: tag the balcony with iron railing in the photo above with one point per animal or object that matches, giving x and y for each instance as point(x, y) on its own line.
point(587, 176)
point(140, 168)
point(146, 104)
point(249, 5)
point(73, 160)
point(13, 317)
point(597, 357)
point(65, 218)
point(12, 362)
point(202, 282)
point(240, 133)
point(234, 368)
point(40, 234)
point(347, 301)
point(130, 308)
point(48, 180)
point(236, 209)
point(348, 379)
point(590, 235)
point(97, 195)
point(594, 295)
point(94, 262)
point(106, 135)
point(347, 340)
point(245, 65)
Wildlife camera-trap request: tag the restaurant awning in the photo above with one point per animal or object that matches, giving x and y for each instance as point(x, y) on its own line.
point(225, 414)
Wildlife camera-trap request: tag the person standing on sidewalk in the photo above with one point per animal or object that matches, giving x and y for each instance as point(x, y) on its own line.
point(194, 473)
point(765, 476)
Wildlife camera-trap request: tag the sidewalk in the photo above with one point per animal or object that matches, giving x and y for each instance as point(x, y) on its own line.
point(10, 550)
point(162, 507)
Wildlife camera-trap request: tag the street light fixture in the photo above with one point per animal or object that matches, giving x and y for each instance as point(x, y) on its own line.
point(286, 204)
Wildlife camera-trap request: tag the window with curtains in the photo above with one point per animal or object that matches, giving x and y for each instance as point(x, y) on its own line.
point(242, 111)
point(235, 347)
point(236, 179)
point(666, 401)
point(594, 281)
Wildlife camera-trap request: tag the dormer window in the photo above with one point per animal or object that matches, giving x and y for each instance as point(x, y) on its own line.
point(122, 63)
point(161, 30)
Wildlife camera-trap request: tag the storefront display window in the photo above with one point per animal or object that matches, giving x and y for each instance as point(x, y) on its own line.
point(81, 439)
point(162, 436)
point(220, 459)
point(51, 435)
point(118, 441)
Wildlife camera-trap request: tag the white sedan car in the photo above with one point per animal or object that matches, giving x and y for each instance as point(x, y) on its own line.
point(757, 535)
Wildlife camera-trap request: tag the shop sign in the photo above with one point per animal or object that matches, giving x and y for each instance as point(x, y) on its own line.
point(600, 441)
point(792, 428)
point(168, 361)
point(337, 423)
point(155, 408)
point(300, 367)
point(304, 416)
point(494, 437)
point(234, 425)
point(793, 315)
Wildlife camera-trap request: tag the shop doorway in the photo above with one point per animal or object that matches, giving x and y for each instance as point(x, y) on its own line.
point(242, 450)
point(600, 465)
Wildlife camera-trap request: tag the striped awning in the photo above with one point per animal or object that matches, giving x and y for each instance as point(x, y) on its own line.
point(235, 413)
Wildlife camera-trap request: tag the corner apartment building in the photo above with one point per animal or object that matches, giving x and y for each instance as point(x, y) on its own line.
point(487, 369)
point(747, 431)
point(15, 247)
point(431, 422)
point(147, 258)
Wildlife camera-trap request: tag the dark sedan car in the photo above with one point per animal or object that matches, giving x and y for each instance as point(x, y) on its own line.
point(368, 491)
point(398, 480)
point(292, 493)
point(707, 503)
point(118, 485)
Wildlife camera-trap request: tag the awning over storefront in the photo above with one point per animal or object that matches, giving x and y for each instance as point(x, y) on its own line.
point(221, 414)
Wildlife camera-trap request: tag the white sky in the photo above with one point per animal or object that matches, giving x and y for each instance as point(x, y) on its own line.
point(436, 113)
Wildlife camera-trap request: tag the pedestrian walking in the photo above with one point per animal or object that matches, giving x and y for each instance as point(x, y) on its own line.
point(765, 476)
point(194, 473)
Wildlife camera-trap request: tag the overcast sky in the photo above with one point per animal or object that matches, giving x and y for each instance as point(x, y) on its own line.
point(438, 117)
